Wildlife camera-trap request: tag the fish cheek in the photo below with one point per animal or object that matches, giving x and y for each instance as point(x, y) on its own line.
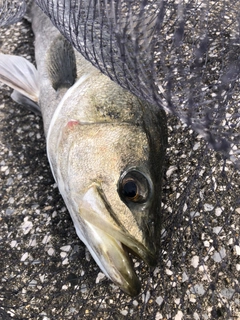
point(85, 156)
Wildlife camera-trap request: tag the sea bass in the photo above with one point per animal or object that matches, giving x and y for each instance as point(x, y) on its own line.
point(105, 147)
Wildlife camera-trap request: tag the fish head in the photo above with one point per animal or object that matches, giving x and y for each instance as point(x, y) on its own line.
point(109, 175)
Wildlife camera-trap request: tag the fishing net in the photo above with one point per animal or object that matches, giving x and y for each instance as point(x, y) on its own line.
point(11, 11)
point(184, 57)
point(173, 53)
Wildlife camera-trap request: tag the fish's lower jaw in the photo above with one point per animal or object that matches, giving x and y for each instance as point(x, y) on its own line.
point(129, 288)
point(126, 278)
point(113, 259)
point(128, 282)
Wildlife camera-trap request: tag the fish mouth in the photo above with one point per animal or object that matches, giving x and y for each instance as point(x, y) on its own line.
point(114, 260)
point(113, 257)
point(110, 246)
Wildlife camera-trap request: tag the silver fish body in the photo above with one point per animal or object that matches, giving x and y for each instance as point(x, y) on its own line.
point(106, 150)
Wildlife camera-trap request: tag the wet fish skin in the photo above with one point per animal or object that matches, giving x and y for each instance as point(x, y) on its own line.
point(106, 150)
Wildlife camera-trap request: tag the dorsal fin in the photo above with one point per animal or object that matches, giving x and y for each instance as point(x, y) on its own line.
point(61, 63)
point(19, 74)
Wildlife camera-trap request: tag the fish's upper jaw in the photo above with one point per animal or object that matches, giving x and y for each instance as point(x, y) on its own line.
point(108, 243)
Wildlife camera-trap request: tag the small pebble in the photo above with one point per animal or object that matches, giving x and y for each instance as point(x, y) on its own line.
point(24, 256)
point(217, 230)
point(198, 289)
point(159, 300)
point(195, 261)
point(100, 277)
point(208, 207)
point(124, 312)
point(179, 315)
point(50, 251)
point(237, 250)
point(218, 256)
point(66, 248)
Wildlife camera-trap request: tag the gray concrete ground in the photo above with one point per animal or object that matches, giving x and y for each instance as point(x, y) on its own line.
point(45, 270)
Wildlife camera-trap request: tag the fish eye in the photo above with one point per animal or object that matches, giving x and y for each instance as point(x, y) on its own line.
point(133, 187)
point(130, 189)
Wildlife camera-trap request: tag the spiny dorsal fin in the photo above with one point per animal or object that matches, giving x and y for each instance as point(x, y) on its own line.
point(19, 74)
point(61, 63)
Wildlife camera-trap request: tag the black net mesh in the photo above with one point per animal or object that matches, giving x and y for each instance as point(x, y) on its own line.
point(173, 53)
point(184, 55)
point(11, 11)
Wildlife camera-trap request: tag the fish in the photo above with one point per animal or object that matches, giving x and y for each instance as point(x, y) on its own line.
point(105, 146)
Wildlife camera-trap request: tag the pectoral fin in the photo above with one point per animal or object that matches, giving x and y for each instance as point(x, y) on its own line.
point(21, 75)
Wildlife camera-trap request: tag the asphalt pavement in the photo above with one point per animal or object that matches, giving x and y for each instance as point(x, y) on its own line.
point(46, 272)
